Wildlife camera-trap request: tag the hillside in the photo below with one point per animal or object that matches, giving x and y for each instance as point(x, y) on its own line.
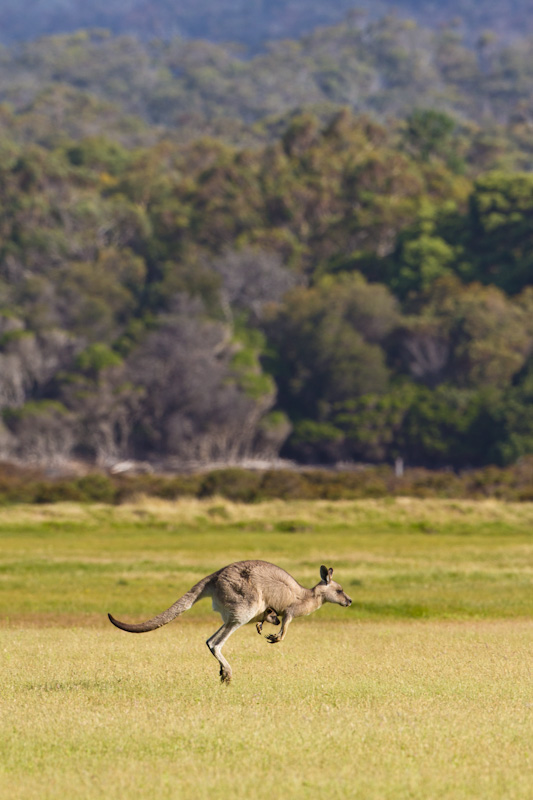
point(252, 23)
point(349, 282)
point(323, 251)
point(136, 92)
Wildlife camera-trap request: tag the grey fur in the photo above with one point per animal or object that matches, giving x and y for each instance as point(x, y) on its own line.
point(249, 591)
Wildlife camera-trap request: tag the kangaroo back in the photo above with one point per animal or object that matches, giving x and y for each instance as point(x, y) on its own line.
point(183, 604)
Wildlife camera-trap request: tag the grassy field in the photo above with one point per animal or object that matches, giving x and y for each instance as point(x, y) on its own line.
point(422, 689)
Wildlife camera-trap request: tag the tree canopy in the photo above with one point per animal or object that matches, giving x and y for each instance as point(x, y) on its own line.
point(322, 251)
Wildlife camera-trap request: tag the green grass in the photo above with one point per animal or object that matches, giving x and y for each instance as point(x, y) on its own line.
point(346, 710)
point(422, 689)
point(399, 559)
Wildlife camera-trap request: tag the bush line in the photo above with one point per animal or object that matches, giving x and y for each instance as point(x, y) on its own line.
point(514, 483)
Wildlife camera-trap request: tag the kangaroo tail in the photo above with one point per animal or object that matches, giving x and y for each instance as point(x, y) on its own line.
point(181, 605)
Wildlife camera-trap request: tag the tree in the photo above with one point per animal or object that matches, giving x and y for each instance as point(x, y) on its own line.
point(500, 242)
point(200, 402)
point(473, 336)
point(327, 341)
point(104, 405)
point(448, 427)
point(429, 132)
point(251, 278)
point(372, 425)
point(42, 433)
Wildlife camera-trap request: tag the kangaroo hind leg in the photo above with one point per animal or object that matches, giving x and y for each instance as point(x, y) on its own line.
point(215, 643)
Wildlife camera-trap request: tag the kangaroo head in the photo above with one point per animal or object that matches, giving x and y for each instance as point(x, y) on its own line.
point(331, 591)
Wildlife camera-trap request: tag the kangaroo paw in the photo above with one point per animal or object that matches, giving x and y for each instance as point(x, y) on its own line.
point(225, 676)
point(273, 638)
point(259, 626)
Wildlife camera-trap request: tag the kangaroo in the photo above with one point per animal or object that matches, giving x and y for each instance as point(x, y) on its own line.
point(244, 592)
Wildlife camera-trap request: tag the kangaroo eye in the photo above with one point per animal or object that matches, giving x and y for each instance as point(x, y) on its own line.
point(339, 591)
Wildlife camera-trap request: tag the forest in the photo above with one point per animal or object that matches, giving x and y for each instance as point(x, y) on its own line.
point(92, 83)
point(322, 251)
point(251, 23)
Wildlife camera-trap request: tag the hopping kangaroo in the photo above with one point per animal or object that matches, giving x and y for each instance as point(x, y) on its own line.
point(249, 591)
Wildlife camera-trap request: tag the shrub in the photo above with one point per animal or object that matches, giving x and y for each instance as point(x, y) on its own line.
point(235, 484)
point(97, 487)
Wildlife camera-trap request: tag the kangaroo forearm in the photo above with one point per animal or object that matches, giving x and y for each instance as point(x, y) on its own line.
point(300, 609)
point(274, 638)
point(285, 624)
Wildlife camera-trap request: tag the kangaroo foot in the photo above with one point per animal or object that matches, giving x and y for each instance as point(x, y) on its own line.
point(225, 675)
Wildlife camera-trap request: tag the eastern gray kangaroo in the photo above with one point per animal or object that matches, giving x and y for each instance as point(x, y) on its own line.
point(248, 591)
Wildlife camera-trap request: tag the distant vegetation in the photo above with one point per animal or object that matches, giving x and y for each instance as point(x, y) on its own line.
point(90, 83)
point(239, 485)
point(324, 251)
point(252, 23)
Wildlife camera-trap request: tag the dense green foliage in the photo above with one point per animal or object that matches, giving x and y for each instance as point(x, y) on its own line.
point(141, 288)
point(318, 283)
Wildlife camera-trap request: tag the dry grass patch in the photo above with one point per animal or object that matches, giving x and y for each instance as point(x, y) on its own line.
point(219, 511)
point(341, 709)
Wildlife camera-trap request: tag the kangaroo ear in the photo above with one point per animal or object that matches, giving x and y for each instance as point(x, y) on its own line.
point(330, 573)
point(324, 574)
